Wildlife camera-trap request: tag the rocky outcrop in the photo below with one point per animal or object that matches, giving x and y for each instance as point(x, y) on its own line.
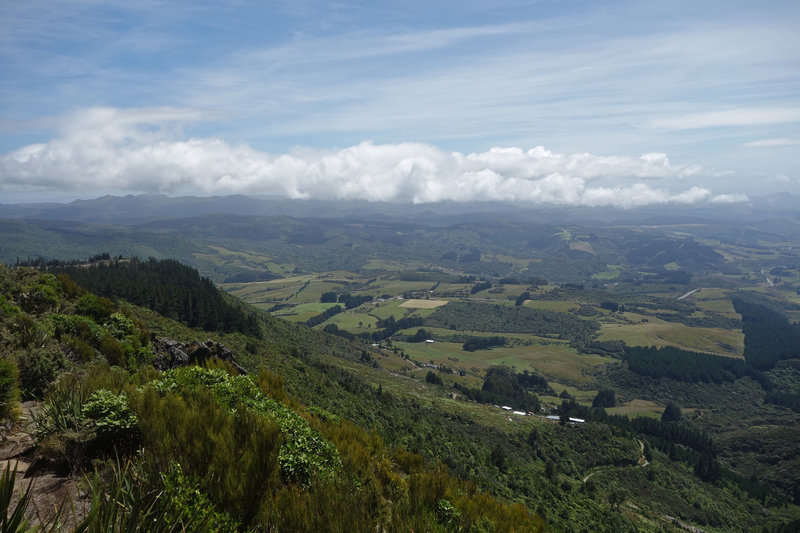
point(171, 353)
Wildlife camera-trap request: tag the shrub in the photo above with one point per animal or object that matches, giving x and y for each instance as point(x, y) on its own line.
point(433, 378)
point(77, 349)
point(120, 326)
point(133, 497)
point(303, 453)
point(113, 351)
point(28, 331)
point(234, 455)
point(99, 308)
point(73, 423)
point(9, 392)
point(111, 418)
point(61, 435)
point(38, 367)
point(605, 398)
point(672, 413)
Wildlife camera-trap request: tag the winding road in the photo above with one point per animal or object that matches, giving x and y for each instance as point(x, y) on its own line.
point(642, 462)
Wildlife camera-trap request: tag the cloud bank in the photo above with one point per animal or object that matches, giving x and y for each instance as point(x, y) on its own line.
point(144, 150)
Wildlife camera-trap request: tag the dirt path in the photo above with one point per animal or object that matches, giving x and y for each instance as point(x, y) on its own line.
point(642, 459)
point(688, 294)
point(49, 492)
point(641, 462)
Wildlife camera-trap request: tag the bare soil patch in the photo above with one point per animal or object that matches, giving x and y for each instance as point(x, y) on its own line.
point(423, 304)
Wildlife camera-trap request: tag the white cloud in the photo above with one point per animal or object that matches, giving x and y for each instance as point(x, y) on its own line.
point(729, 198)
point(733, 117)
point(143, 150)
point(769, 143)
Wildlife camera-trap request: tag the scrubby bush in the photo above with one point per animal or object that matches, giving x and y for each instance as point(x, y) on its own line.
point(234, 455)
point(38, 367)
point(98, 308)
point(110, 417)
point(134, 496)
point(303, 454)
point(433, 378)
point(9, 392)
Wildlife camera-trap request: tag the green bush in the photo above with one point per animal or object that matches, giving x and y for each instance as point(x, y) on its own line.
point(38, 367)
point(99, 308)
point(73, 424)
point(113, 351)
point(81, 327)
point(79, 349)
point(133, 496)
point(42, 296)
point(9, 392)
point(304, 451)
point(120, 326)
point(110, 417)
point(234, 455)
point(61, 434)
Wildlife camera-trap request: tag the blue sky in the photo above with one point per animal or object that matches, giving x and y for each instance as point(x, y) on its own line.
point(589, 103)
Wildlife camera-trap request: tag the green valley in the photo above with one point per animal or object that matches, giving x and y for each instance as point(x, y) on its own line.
point(446, 374)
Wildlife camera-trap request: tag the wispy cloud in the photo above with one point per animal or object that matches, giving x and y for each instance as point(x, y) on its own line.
point(143, 150)
point(769, 143)
point(732, 117)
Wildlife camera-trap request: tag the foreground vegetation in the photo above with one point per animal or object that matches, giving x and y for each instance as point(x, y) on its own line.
point(211, 449)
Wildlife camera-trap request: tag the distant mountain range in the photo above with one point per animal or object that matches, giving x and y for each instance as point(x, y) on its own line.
point(133, 210)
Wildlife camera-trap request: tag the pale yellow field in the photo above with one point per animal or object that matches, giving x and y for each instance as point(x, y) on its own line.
point(423, 304)
point(657, 332)
point(582, 247)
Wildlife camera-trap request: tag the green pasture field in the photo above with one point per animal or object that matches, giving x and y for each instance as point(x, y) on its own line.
point(613, 272)
point(296, 289)
point(518, 262)
point(264, 291)
point(523, 339)
point(795, 299)
point(313, 291)
point(565, 234)
point(445, 290)
point(584, 396)
point(396, 287)
point(313, 308)
point(389, 265)
point(657, 332)
point(551, 305)
point(637, 407)
point(394, 308)
point(224, 257)
point(508, 295)
point(299, 317)
point(555, 361)
point(393, 363)
point(253, 258)
point(716, 300)
point(349, 321)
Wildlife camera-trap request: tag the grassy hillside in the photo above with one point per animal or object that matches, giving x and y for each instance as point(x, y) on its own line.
point(208, 448)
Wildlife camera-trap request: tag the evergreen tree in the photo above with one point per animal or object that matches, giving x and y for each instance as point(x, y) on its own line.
point(672, 413)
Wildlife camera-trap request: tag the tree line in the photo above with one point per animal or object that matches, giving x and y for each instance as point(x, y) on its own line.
point(168, 287)
point(502, 386)
point(768, 335)
point(685, 365)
